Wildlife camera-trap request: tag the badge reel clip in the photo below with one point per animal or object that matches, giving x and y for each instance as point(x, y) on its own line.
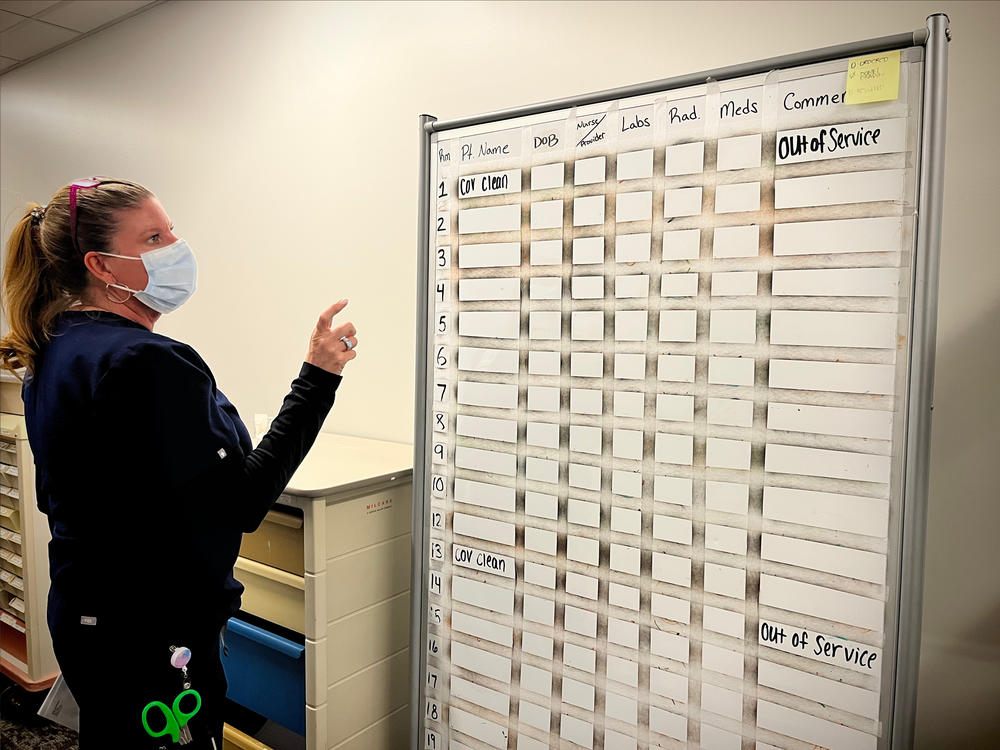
point(175, 718)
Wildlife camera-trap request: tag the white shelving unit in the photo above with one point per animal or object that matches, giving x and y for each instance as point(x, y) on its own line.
point(25, 645)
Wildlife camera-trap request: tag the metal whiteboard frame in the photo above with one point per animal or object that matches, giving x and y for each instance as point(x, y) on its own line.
point(920, 379)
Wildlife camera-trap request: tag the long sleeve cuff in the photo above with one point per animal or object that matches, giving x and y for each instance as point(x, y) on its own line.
point(319, 377)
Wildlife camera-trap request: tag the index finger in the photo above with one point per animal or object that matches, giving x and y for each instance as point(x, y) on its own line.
point(326, 317)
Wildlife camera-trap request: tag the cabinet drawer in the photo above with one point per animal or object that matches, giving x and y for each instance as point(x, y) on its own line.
point(366, 697)
point(14, 581)
point(392, 731)
point(272, 594)
point(10, 397)
point(368, 576)
point(266, 673)
point(362, 521)
point(278, 542)
point(14, 646)
point(10, 518)
point(12, 603)
point(13, 538)
point(14, 560)
point(367, 637)
point(8, 619)
point(234, 739)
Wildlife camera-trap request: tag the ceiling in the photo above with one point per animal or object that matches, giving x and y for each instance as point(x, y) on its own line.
point(32, 28)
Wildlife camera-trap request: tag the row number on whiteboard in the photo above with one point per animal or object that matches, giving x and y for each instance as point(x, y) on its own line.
point(442, 224)
point(440, 391)
point(437, 519)
point(434, 614)
point(442, 292)
point(443, 257)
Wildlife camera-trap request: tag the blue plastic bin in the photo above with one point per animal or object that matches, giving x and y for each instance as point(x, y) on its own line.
point(266, 673)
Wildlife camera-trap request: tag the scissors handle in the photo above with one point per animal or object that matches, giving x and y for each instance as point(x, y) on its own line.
point(171, 726)
point(183, 717)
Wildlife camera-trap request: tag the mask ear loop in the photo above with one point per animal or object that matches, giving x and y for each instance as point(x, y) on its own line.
point(108, 286)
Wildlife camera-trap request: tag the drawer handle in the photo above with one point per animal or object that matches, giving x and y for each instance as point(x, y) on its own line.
point(266, 639)
point(236, 738)
point(283, 519)
point(270, 573)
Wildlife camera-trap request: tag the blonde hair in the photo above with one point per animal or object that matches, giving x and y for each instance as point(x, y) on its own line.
point(44, 273)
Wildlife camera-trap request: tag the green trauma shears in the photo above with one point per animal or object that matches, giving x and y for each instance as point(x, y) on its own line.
point(175, 719)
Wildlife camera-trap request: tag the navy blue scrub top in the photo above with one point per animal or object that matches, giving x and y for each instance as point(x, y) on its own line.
point(124, 423)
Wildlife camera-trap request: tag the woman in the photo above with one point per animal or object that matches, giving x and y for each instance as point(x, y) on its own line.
point(145, 471)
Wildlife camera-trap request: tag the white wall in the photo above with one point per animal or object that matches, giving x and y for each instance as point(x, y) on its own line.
point(281, 137)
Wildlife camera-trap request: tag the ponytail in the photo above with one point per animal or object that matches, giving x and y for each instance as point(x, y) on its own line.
point(30, 300)
point(44, 273)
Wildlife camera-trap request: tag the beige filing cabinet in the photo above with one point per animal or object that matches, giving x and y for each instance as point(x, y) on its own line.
point(332, 562)
point(25, 645)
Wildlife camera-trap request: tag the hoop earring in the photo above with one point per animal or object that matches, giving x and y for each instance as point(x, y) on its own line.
point(107, 293)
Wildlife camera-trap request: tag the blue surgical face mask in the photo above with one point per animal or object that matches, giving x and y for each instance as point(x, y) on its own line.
point(173, 274)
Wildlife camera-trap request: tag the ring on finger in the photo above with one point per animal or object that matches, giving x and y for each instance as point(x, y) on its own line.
point(347, 342)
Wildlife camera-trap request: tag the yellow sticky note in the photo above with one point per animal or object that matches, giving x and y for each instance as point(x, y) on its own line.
point(873, 78)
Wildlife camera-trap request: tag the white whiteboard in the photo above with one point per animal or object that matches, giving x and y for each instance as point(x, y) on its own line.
point(667, 363)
